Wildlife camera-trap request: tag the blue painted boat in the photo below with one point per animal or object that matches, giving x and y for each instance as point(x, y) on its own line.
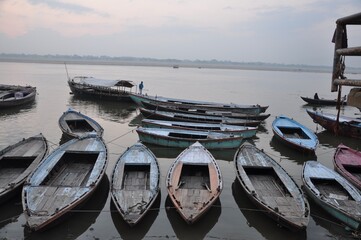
point(244, 131)
point(64, 180)
point(184, 138)
point(135, 183)
point(75, 124)
point(270, 187)
point(333, 193)
point(294, 134)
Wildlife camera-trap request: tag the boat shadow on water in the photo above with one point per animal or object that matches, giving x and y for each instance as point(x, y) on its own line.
point(108, 110)
point(17, 109)
point(80, 220)
point(290, 153)
point(328, 139)
point(10, 211)
point(257, 219)
point(141, 229)
point(197, 230)
point(331, 224)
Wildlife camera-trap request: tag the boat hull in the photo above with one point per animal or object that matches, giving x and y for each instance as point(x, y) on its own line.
point(194, 182)
point(295, 135)
point(344, 128)
point(98, 93)
point(227, 143)
point(135, 182)
point(270, 188)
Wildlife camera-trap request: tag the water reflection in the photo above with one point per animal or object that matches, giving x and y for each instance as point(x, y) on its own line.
point(108, 110)
point(325, 220)
point(10, 211)
point(80, 220)
point(330, 140)
point(197, 230)
point(258, 220)
point(8, 112)
point(290, 153)
point(141, 229)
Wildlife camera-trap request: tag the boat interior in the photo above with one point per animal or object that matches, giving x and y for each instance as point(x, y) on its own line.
point(266, 182)
point(194, 177)
point(293, 132)
point(136, 177)
point(12, 167)
point(73, 170)
point(331, 188)
point(79, 125)
point(354, 170)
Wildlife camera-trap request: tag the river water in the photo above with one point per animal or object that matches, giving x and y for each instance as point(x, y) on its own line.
point(233, 216)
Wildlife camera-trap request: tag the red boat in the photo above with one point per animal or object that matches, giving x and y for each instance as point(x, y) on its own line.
point(347, 162)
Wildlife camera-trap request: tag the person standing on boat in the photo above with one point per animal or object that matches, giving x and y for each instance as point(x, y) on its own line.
point(316, 96)
point(141, 85)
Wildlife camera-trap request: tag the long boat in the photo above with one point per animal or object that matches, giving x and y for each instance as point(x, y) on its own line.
point(17, 161)
point(184, 138)
point(89, 87)
point(135, 183)
point(181, 109)
point(194, 182)
point(322, 101)
point(347, 126)
point(333, 193)
point(347, 162)
point(12, 96)
point(63, 181)
point(182, 117)
point(294, 134)
point(245, 132)
point(270, 188)
point(139, 99)
point(75, 124)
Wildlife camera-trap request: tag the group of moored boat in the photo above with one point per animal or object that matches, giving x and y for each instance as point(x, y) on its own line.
point(194, 182)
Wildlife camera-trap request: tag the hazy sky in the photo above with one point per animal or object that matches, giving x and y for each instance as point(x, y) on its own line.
point(274, 31)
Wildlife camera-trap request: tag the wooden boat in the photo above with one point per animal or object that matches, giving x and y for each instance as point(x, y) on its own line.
point(182, 117)
point(135, 183)
point(184, 138)
point(270, 188)
point(245, 132)
point(139, 99)
point(347, 162)
point(347, 126)
point(12, 96)
point(194, 182)
point(89, 87)
point(333, 193)
point(294, 134)
point(322, 101)
point(180, 109)
point(16, 163)
point(63, 181)
point(75, 124)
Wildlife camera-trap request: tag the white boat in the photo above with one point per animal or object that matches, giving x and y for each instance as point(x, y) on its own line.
point(135, 183)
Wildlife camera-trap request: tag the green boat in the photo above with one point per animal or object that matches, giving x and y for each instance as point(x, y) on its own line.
point(333, 193)
point(184, 138)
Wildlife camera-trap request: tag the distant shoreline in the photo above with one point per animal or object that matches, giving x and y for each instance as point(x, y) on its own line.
point(167, 63)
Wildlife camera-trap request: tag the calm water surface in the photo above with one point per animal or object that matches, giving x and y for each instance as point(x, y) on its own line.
point(233, 216)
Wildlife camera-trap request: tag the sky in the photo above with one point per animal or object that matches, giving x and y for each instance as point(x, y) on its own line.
point(271, 31)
